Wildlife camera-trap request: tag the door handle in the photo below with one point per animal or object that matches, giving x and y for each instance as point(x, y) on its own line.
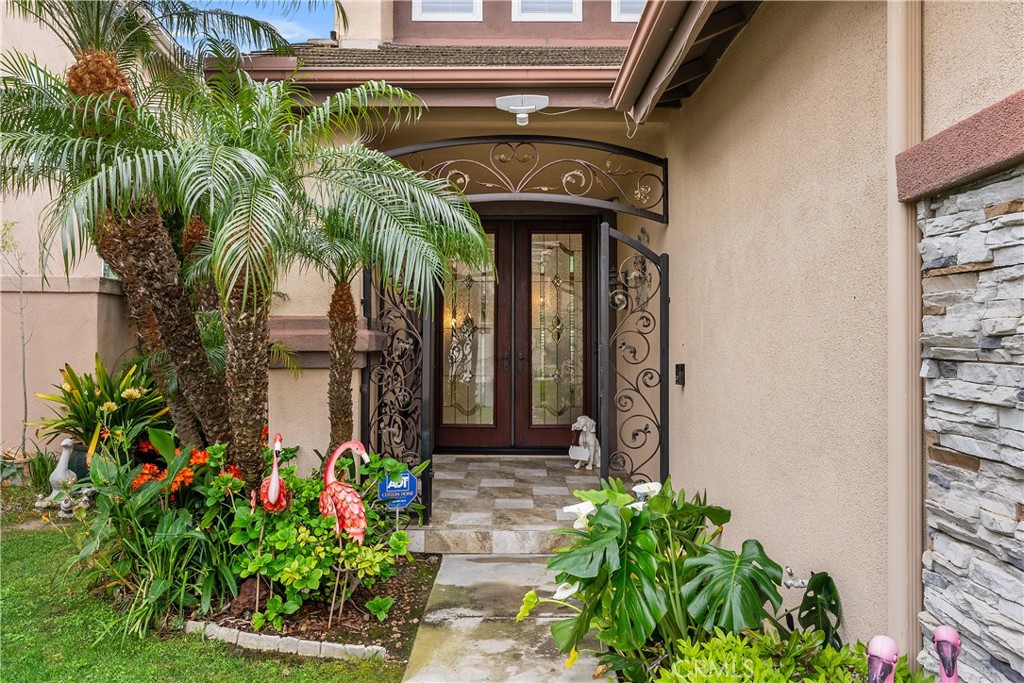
point(506, 361)
point(520, 360)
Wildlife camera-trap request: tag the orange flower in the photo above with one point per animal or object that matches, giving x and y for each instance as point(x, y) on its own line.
point(184, 478)
point(264, 435)
point(146, 446)
point(149, 472)
point(104, 433)
point(199, 457)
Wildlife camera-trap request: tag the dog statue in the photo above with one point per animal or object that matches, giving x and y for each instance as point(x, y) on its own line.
point(589, 450)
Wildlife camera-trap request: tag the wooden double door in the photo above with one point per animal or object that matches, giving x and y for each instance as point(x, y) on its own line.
point(514, 343)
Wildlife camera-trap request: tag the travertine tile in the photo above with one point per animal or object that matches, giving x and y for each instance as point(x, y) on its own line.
point(513, 504)
point(503, 483)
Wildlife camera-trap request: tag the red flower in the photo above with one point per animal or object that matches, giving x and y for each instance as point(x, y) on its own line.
point(264, 434)
point(146, 446)
point(233, 470)
point(199, 457)
point(104, 433)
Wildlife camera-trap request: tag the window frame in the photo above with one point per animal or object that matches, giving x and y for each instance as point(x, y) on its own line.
point(619, 17)
point(419, 15)
point(575, 16)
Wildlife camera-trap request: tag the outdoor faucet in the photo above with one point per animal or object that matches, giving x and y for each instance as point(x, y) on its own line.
point(792, 581)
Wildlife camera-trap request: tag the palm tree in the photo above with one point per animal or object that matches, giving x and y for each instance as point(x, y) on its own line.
point(125, 56)
point(371, 208)
point(255, 163)
point(339, 250)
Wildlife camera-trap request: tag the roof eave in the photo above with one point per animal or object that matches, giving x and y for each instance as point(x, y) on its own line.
point(275, 68)
point(666, 32)
point(652, 34)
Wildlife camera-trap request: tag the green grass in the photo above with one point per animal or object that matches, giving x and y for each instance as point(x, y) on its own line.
point(48, 627)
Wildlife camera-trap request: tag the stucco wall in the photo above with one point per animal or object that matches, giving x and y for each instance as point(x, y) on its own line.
point(973, 56)
point(778, 251)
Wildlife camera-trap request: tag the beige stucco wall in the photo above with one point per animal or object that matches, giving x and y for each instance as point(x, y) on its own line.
point(778, 269)
point(973, 56)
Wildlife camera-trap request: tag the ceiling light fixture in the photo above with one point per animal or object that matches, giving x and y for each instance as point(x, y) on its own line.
point(521, 105)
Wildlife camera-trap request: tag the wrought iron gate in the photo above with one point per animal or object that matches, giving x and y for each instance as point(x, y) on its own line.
point(632, 363)
point(399, 419)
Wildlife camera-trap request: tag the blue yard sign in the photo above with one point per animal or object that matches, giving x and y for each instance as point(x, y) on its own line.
point(399, 492)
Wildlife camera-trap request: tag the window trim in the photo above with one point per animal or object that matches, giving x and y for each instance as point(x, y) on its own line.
point(576, 15)
point(618, 16)
point(419, 15)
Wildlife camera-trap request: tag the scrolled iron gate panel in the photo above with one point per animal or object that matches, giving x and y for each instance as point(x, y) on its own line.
point(632, 359)
point(399, 417)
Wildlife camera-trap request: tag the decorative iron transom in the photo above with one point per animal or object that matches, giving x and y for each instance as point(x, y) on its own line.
point(547, 168)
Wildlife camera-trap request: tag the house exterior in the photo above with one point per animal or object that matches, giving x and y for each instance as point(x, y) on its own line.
point(774, 249)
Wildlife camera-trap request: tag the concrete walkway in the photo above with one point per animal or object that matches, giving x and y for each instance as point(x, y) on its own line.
point(469, 633)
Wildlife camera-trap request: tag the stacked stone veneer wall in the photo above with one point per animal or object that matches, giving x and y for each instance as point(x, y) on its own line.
point(972, 245)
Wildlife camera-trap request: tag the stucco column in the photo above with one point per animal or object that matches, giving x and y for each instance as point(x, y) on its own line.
point(905, 419)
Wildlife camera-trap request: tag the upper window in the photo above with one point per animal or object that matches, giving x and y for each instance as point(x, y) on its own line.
point(447, 10)
point(627, 10)
point(547, 10)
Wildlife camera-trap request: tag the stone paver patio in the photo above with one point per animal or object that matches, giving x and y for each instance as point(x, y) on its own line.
point(469, 633)
point(506, 505)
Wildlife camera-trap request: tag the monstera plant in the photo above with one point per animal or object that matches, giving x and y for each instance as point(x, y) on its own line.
point(645, 574)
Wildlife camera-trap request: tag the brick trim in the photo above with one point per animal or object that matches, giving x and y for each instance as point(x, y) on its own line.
point(983, 144)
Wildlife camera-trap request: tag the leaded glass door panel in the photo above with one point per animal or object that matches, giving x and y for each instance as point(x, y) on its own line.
point(474, 354)
point(552, 337)
point(514, 347)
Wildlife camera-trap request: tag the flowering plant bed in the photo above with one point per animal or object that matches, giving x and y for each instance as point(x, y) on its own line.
point(409, 589)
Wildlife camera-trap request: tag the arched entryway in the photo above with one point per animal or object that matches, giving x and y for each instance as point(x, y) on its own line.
point(573, 321)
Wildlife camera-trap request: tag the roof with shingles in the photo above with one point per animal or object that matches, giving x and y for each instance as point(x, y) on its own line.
point(434, 56)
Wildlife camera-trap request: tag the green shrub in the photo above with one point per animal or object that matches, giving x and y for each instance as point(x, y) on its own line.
point(40, 467)
point(803, 657)
point(159, 541)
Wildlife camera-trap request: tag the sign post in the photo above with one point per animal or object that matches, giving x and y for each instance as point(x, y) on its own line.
point(398, 493)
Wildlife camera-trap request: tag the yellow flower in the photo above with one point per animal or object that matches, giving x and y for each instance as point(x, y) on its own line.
point(131, 394)
point(97, 392)
point(108, 407)
point(66, 387)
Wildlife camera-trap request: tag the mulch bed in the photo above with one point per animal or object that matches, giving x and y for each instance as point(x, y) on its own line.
point(410, 588)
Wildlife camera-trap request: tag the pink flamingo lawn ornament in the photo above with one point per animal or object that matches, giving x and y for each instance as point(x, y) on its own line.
point(947, 647)
point(883, 654)
point(274, 496)
point(340, 500)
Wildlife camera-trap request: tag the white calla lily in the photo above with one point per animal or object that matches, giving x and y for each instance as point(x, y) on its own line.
point(650, 488)
point(581, 509)
point(638, 505)
point(565, 590)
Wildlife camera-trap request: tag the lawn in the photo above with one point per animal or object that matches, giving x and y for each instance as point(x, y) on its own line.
point(48, 628)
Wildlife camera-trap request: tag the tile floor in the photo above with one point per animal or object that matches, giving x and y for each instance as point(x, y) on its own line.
point(500, 504)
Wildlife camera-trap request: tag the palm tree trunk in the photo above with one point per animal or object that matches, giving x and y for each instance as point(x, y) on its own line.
point(247, 375)
point(110, 246)
point(342, 320)
point(159, 281)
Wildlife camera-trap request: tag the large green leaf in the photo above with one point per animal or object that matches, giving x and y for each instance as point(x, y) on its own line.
point(601, 549)
point(730, 590)
point(821, 608)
